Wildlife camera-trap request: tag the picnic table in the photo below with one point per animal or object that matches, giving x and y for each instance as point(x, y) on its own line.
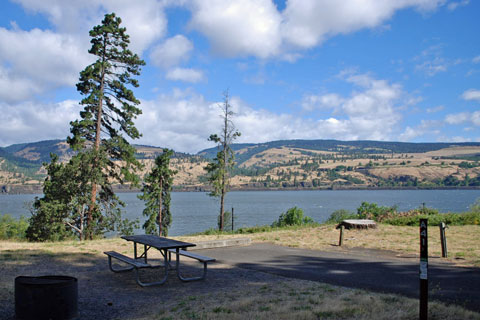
point(167, 247)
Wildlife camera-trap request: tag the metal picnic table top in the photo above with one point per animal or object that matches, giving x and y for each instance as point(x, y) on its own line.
point(160, 243)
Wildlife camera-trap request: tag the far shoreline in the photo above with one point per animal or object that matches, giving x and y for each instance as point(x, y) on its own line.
point(37, 189)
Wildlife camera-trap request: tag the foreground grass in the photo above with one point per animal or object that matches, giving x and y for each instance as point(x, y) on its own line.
point(228, 293)
point(304, 300)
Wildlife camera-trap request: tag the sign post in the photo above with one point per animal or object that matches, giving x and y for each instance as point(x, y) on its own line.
point(443, 240)
point(423, 269)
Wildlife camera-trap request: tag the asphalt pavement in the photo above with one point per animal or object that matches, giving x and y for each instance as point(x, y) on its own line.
point(375, 270)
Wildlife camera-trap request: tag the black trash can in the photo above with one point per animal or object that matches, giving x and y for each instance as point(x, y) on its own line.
point(46, 297)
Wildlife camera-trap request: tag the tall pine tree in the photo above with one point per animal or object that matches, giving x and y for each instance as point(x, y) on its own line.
point(156, 194)
point(220, 168)
point(109, 110)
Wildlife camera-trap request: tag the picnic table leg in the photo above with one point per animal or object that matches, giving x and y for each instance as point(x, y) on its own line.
point(204, 274)
point(148, 284)
point(117, 269)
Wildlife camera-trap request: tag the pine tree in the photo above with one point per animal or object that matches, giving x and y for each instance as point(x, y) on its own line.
point(220, 168)
point(156, 194)
point(109, 110)
point(60, 213)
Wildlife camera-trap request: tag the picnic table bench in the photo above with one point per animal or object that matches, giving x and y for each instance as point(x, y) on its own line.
point(200, 258)
point(166, 247)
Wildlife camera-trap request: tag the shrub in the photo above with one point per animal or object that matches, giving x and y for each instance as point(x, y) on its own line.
point(293, 217)
point(11, 228)
point(373, 211)
point(412, 217)
point(339, 215)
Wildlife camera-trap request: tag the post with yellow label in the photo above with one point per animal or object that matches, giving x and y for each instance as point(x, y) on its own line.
point(423, 269)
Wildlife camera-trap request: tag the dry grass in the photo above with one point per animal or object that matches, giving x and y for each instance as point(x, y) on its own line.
point(228, 293)
point(298, 299)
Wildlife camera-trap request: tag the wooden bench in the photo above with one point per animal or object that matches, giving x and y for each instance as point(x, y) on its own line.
point(200, 258)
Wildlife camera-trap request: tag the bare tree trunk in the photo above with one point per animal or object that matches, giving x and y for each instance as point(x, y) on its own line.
point(225, 165)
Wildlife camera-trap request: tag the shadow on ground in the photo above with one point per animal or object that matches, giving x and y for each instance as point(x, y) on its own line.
point(447, 283)
point(103, 294)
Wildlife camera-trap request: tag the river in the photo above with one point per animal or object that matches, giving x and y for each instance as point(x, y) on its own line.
point(196, 211)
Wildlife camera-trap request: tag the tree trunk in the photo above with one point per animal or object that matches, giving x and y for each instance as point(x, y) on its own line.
point(98, 128)
point(160, 210)
point(222, 215)
point(82, 221)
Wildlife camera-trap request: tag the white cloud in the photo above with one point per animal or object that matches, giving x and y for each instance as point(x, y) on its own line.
point(257, 28)
point(370, 113)
point(145, 23)
point(435, 109)
point(36, 61)
point(432, 67)
point(172, 52)
point(454, 139)
point(471, 94)
point(476, 59)
point(425, 126)
point(183, 120)
point(458, 118)
point(410, 134)
point(309, 22)
point(329, 101)
point(183, 74)
point(239, 28)
point(30, 121)
point(454, 5)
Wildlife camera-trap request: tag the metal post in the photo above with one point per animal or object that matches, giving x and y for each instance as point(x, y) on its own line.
point(443, 240)
point(423, 269)
point(232, 220)
point(341, 235)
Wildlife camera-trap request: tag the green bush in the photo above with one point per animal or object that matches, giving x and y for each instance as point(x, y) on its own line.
point(339, 215)
point(11, 228)
point(373, 211)
point(293, 217)
point(453, 219)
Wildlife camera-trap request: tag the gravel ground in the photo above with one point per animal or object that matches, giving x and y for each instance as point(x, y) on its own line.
point(103, 294)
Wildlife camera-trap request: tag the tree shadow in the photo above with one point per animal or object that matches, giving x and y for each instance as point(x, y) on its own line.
point(103, 294)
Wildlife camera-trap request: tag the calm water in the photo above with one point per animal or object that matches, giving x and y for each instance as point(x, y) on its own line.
point(196, 211)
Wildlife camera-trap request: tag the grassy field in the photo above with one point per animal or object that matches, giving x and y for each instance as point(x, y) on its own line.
point(231, 293)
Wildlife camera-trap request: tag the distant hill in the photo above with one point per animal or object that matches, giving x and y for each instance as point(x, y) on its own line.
point(347, 147)
point(286, 164)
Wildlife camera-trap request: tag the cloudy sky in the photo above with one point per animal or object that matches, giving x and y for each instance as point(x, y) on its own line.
point(396, 70)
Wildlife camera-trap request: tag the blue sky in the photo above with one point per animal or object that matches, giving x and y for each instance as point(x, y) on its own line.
point(398, 70)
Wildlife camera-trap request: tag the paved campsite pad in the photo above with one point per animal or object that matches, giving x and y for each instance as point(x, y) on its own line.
point(377, 270)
